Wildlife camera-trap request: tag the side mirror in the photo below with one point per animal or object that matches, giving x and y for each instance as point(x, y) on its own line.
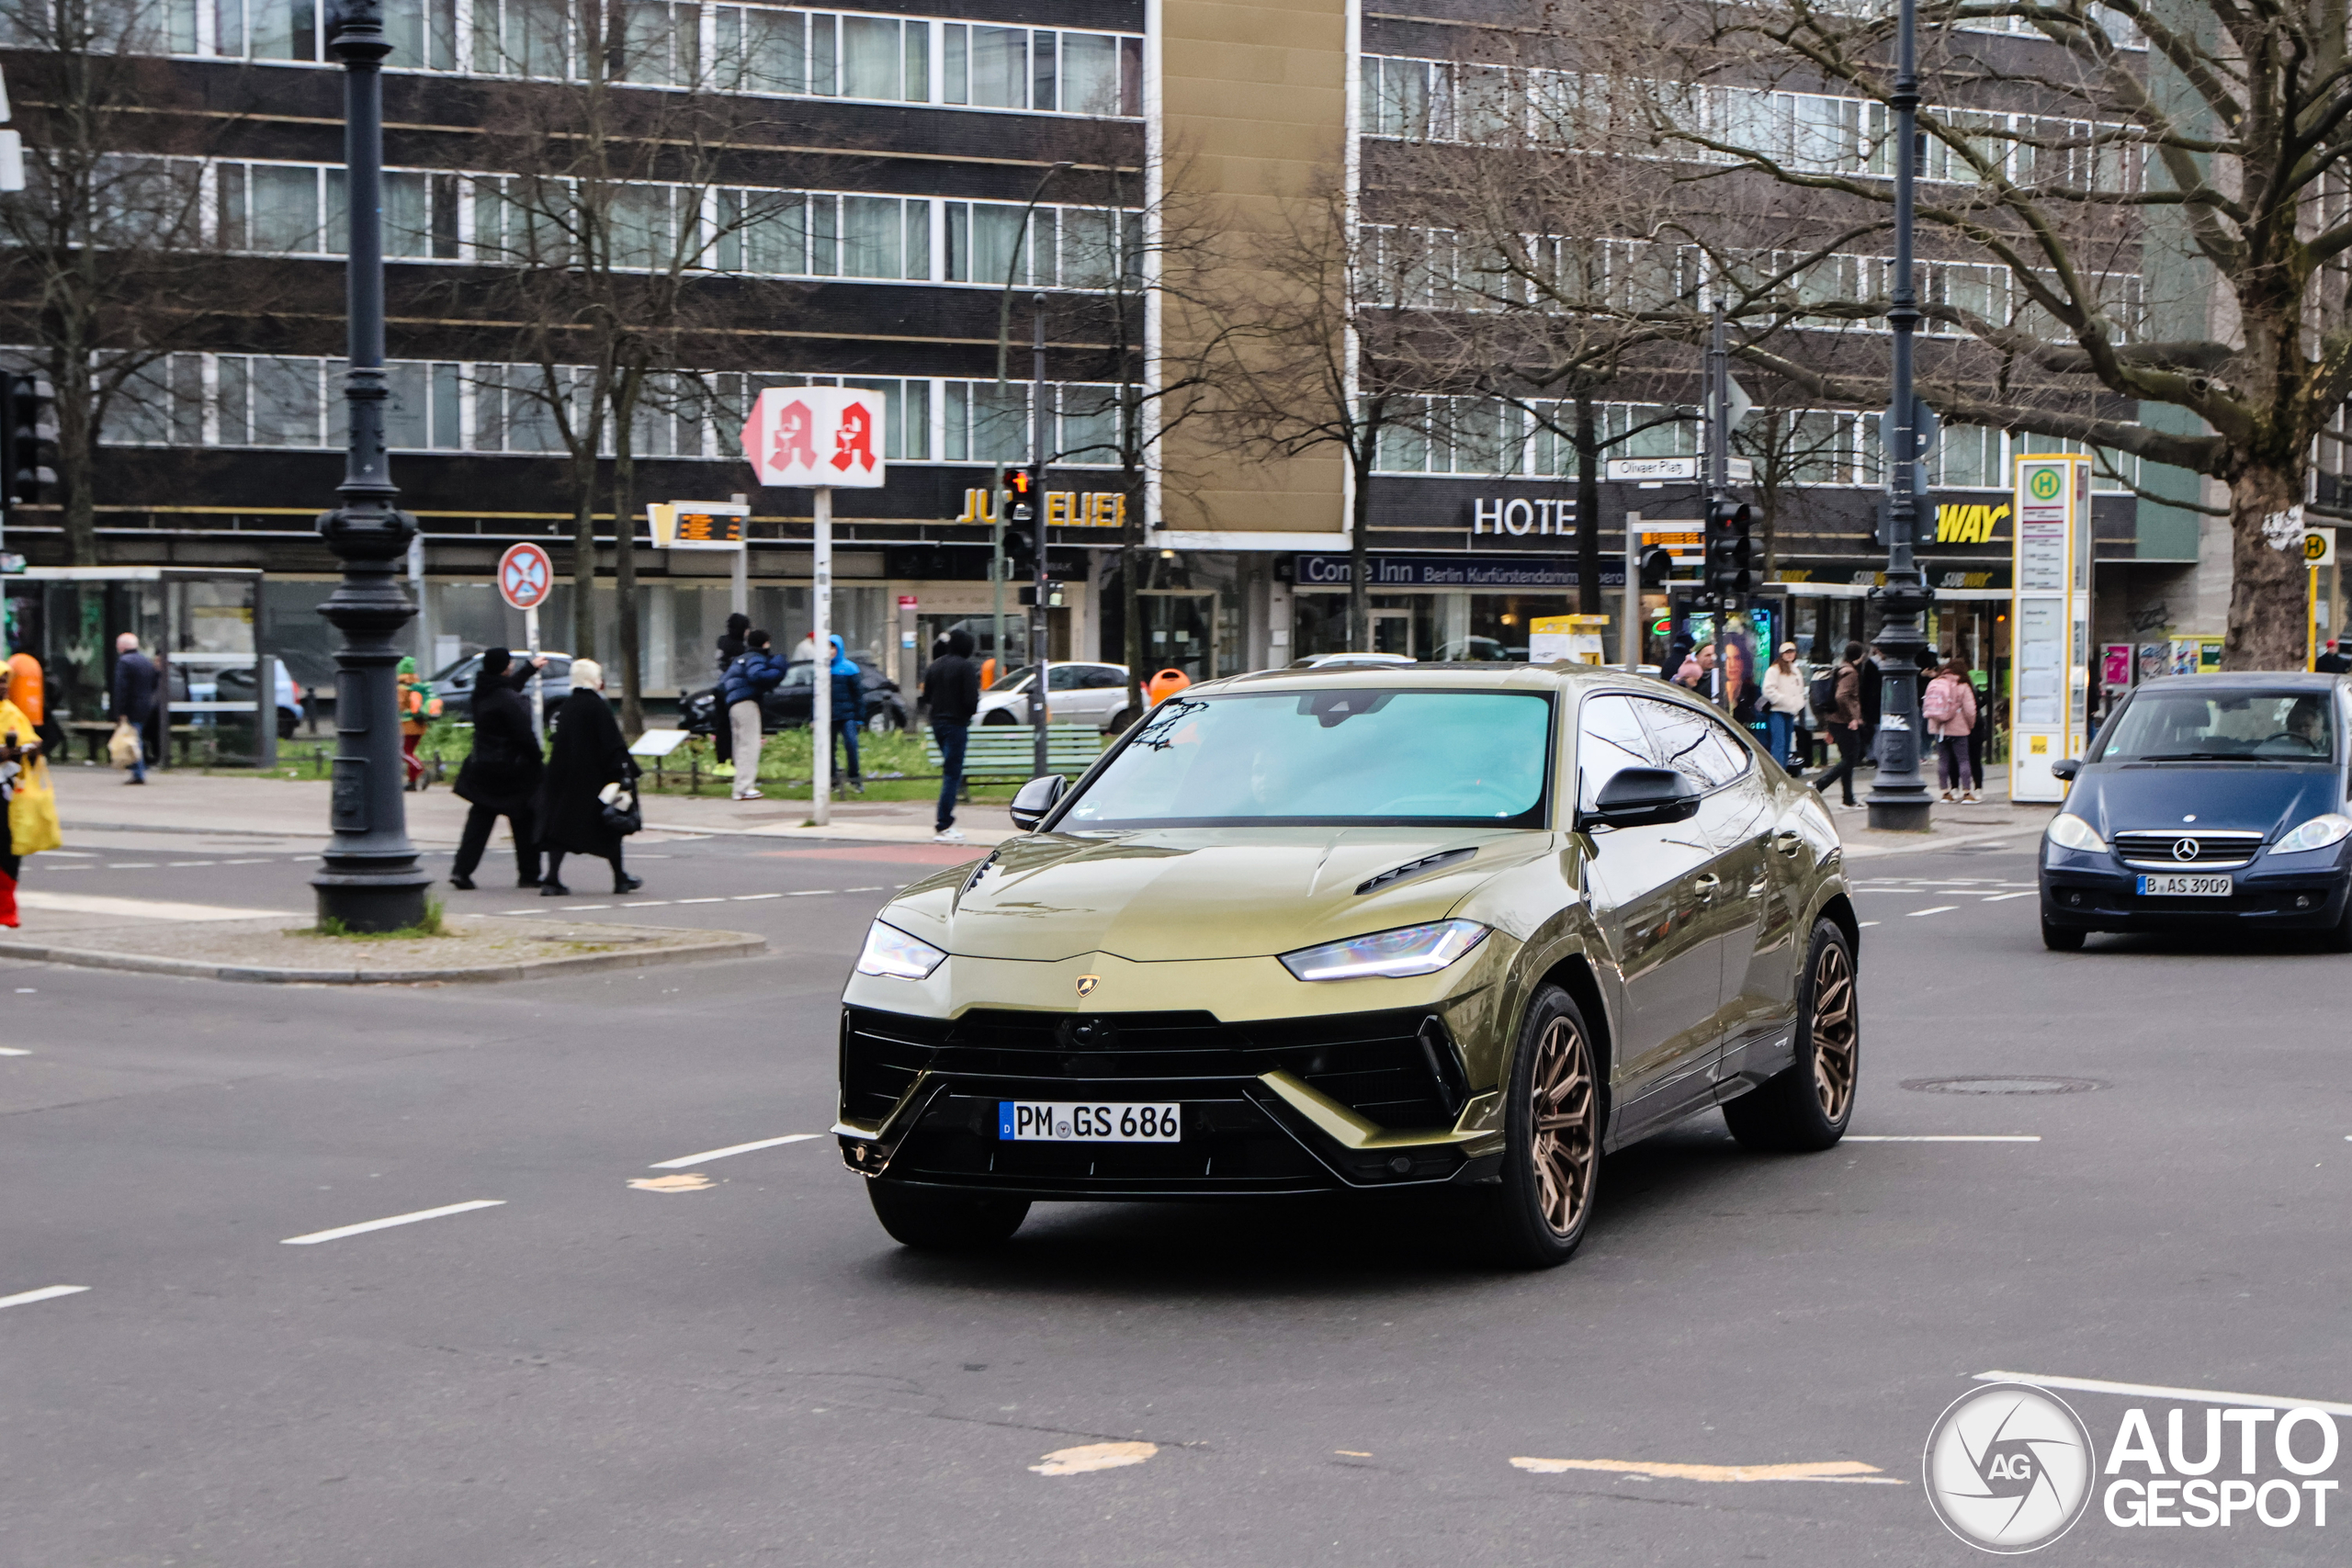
point(2066, 768)
point(1036, 800)
point(1639, 797)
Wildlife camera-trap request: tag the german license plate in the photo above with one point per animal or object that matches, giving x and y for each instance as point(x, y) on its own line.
point(1057, 1122)
point(2177, 886)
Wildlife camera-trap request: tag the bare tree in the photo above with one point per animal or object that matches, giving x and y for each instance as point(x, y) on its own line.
point(103, 255)
point(1311, 352)
point(609, 225)
point(2104, 226)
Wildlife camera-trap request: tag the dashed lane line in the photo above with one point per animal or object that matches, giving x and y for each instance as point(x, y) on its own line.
point(1851, 1472)
point(341, 1230)
point(2157, 1391)
point(1942, 1138)
point(717, 900)
point(684, 1160)
point(13, 1051)
point(1864, 925)
point(46, 1293)
point(1999, 896)
point(1937, 909)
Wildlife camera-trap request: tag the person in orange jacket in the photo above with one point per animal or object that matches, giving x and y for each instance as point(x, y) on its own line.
point(419, 708)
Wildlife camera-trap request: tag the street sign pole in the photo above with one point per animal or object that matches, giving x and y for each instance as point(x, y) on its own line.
point(1630, 639)
point(538, 678)
point(1038, 713)
point(820, 657)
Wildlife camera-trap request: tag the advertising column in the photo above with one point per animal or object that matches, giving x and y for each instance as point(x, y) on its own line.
point(2049, 621)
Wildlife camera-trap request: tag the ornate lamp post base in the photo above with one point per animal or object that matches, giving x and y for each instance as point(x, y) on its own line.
point(1899, 802)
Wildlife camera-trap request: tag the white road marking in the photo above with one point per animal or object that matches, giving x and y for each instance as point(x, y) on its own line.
point(258, 859)
point(1090, 1457)
point(647, 903)
point(341, 1230)
point(139, 909)
point(591, 906)
point(811, 893)
point(181, 862)
point(701, 900)
point(131, 866)
point(747, 897)
point(1998, 897)
point(2157, 1391)
point(684, 1161)
point(46, 1293)
point(1942, 1138)
point(1864, 925)
point(1849, 1471)
point(1938, 910)
point(866, 890)
point(13, 1051)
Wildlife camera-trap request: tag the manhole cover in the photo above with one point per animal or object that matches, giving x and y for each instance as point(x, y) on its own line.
point(2003, 1086)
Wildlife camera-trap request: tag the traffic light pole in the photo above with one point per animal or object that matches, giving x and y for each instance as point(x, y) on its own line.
point(369, 880)
point(1038, 712)
point(1899, 799)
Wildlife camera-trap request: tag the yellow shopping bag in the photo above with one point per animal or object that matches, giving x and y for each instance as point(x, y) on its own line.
point(122, 746)
point(33, 812)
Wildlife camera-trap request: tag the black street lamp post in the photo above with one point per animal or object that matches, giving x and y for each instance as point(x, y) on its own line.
point(370, 880)
point(1899, 799)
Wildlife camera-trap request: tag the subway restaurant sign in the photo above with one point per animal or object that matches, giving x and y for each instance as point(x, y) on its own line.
point(1972, 522)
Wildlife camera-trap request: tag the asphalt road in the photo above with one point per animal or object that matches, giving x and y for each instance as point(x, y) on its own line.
point(747, 1371)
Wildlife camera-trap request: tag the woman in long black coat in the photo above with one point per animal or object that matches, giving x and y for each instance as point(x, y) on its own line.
point(588, 754)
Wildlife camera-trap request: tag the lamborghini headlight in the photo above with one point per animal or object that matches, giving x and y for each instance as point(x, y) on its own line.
point(2326, 829)
point(891, 952)
point(2071, 832)
point(1396, 955)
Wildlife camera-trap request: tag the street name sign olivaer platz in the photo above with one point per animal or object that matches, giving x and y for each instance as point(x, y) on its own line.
point(825, 438)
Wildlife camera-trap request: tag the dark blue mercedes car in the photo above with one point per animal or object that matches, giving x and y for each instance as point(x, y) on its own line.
point(2207, 798)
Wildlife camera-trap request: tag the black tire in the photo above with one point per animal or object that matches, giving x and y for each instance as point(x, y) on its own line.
point(1120, 720)
point(1000, 715)
point(1808, 1106)
point(1552, 1131)
point(944, 1222)
point(2065, 938)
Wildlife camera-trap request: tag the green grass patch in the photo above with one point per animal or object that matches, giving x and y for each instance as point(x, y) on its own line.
point(332, 925)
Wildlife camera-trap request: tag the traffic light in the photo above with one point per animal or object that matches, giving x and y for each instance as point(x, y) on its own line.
point(27, 437)
point(1021, 546)
point(1657, 566)
point(1019, 491)
point(1728, 550)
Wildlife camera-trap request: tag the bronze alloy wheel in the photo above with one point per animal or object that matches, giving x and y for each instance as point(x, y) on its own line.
point(1834, 1035)
point(1566, 1142)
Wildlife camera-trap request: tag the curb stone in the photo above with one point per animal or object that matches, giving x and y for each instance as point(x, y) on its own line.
point(738, 945)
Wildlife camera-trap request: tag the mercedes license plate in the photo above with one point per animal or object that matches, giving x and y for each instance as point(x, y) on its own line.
point(1056, 1122)
point(2179, 885)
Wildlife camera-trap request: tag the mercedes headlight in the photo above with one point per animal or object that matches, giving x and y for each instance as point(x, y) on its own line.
point(891, 952)
point(1394, 955)
point(2071, 832)
point(2326, 829)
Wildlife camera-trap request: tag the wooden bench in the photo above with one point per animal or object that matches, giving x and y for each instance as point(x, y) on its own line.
point(1008, 751)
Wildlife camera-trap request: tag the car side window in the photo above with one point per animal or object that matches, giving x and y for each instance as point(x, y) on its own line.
point(1099, 676)
point(1063, 677)
point(1610, 739)
point(1692, 743)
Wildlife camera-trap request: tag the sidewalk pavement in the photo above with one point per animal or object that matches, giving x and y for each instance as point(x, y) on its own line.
point(1950, 826)
point(93, 799)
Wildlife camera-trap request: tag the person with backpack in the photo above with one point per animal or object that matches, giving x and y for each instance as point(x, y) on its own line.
point(755, 672)
point(1949, 706)
point(1837, 699)
point(1783, 703)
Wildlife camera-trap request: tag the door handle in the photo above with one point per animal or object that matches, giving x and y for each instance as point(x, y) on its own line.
point(1788, 843)
point(1708, 885)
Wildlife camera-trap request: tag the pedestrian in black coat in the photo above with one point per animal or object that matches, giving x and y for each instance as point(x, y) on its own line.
point(588, 754)
point(502, 772)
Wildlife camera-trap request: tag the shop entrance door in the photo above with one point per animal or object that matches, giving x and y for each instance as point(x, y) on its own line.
point(1392, 632)
point(1179, 632)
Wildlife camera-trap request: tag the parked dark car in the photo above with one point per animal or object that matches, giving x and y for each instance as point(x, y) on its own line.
point(455, 684)
point(2207, 800)
point(787, 706)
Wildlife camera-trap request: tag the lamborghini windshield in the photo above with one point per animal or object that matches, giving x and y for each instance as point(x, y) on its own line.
point(1332, 755)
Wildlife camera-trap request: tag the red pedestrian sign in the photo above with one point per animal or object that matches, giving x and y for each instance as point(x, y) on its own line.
point(525, 576)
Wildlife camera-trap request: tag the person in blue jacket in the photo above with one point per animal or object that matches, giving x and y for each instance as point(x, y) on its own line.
point(849, 709)
point(754, 674)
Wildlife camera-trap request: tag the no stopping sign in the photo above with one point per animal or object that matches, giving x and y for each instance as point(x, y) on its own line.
point(525, 575)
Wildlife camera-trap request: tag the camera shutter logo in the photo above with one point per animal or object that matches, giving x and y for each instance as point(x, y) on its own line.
point(2008, 1468)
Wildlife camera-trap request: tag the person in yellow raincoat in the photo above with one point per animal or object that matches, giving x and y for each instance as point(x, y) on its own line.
point(20, 752)
point(419, 708)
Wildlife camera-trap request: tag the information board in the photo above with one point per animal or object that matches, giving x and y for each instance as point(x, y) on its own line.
point(2049, 608)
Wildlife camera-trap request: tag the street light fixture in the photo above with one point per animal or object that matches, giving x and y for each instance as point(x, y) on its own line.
point(1899, 799)
point(370, 880)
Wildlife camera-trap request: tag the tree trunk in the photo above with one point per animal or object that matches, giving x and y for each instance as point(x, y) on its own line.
point(2269, 584)
point(1587, 509)
point(583, 557)
point(78, 468)
point(625, 621)
point(1360, 543)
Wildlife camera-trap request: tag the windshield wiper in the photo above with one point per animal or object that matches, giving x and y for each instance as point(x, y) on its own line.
point(2203, 757)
